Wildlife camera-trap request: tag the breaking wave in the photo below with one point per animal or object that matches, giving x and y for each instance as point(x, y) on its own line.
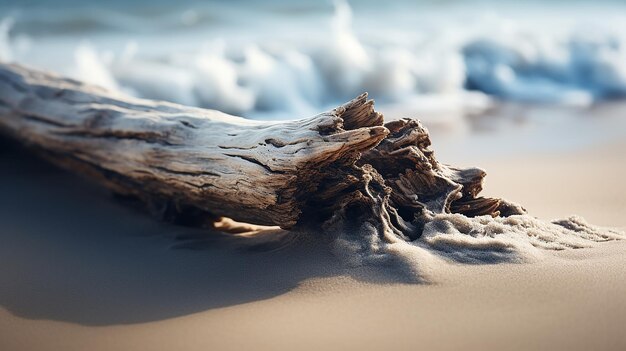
point(494, 56)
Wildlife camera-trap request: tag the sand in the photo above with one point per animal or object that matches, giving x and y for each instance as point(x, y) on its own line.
point(82, 272)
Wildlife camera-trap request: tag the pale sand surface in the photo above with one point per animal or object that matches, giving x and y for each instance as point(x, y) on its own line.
point(90, 274)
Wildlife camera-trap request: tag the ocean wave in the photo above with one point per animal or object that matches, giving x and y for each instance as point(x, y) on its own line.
point(493, 59)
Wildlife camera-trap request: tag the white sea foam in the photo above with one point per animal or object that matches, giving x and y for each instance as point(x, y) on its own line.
point(478, 240)
point(513, 239)
point(6, 53)
point(93, 67)
point(436, 56)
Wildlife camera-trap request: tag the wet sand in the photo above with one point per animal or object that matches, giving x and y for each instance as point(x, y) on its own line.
point(82, 272)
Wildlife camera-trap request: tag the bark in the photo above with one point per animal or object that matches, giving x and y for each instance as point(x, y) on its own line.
point(195, 165)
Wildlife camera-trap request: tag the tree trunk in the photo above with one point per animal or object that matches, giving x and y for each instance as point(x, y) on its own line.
point(195, 165)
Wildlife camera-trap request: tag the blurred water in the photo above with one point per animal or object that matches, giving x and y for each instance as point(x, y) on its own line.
point(282, 59)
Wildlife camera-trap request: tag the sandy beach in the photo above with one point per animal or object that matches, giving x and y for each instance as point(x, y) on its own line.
point(87, 273)
point(408, 257)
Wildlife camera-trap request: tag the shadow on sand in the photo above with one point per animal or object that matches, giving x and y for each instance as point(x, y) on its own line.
point(70, 252)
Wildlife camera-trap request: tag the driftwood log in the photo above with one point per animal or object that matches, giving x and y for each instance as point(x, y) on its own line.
point(194, 165)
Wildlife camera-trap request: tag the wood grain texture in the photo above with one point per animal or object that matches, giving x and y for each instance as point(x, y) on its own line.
point(195, 165)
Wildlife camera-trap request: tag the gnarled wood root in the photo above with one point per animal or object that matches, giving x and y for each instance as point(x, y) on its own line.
point(342, 167)
point(398, 186)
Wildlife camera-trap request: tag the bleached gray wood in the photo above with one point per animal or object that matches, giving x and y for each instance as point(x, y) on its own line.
point(201, 164)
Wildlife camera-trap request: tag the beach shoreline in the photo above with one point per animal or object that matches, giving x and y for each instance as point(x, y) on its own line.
point(395, 241)
point(63, 288)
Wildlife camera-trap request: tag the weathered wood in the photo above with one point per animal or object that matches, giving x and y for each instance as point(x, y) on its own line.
point(196, 165)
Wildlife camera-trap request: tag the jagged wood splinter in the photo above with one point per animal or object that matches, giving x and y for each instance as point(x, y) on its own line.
point(195, 165)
